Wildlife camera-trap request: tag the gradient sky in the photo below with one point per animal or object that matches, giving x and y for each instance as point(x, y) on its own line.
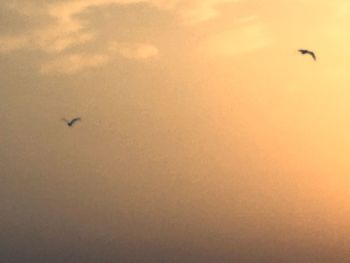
point(205, 136)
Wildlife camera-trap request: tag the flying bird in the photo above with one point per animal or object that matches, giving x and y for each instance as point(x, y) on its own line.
point(308, 52)
point(71, 122)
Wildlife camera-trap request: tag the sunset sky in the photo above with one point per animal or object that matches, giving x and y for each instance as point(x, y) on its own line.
point(205, 135)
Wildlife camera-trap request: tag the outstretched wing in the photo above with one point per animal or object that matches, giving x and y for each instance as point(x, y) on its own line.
point(305, 51)
point(312, 55)
point(74, 121)
point(66, 121)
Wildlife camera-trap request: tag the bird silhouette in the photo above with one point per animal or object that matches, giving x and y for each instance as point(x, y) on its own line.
point(307, 52)
point(71, 122)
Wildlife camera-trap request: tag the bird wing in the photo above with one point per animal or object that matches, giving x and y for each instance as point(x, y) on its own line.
point(305, 51)
point(66, 121)
point(75, 120)
point(313, 55)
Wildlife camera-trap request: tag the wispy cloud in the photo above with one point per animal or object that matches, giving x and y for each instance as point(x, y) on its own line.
point(237, 41)
point(195, 12)
point(133, 51)
point(75, 63)
point(12, 43)
point(66, 30)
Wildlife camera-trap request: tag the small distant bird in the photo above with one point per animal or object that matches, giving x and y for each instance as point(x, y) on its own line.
point(308, 52)
point(71, 122)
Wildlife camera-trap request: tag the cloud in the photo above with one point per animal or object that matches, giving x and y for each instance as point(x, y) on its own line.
point(245, 39)
point(201, 11)
point(12, 43)
point(65, 29)
point(75, 63)
point(134, 51)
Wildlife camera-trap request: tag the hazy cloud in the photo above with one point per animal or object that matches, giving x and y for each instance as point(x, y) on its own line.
point(65, 30)
point(12, 43)
point(133, 51)
point(246, 38)
point(74, 63)
point(194, 12)
point(206, 137)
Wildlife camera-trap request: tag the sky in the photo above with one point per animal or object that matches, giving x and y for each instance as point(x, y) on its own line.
point(205, 136)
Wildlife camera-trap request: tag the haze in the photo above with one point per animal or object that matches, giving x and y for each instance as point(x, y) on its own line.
point(205, 135)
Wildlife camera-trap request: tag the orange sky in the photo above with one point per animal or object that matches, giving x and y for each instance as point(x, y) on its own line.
point(205, 135)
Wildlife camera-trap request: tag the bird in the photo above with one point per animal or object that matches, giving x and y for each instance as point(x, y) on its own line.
point(308, 52)
point(71, 122)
